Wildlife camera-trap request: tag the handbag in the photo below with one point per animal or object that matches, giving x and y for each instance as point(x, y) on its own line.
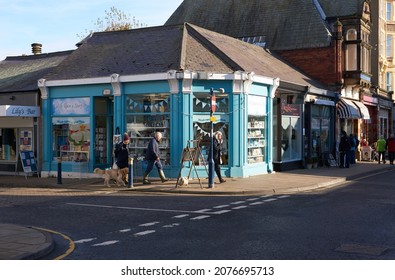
point(114, 165)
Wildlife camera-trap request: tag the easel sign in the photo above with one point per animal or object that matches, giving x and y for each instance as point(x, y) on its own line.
point(28, 161)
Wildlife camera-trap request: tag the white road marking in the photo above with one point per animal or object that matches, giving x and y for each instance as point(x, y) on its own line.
point(266, 195)
point(240, 207)
point(203, 210)
point(149, 224)
point(253, 199)
point(284, 196)
point(142, 209)
point(257, 203)
point(238, 202)
point(221, 206)
point(106, 243)
point(200, 217)
point(125, 230)
point(84, 240)
point(144, 232)
point(171, 225)
point(181, 216)
point(270, 199)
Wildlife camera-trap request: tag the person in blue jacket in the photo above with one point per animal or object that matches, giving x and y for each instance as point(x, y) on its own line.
point(152, 157)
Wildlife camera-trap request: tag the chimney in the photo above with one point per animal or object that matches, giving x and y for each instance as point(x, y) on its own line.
point(36, 48)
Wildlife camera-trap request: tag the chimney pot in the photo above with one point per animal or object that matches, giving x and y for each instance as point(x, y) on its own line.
point(36, 48)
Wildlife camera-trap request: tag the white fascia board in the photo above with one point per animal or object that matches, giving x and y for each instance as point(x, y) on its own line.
point(107, 80)
point(263, 80)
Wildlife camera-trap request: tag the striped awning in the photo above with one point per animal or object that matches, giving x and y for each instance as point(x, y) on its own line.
point(346, 109)
point(363, 110)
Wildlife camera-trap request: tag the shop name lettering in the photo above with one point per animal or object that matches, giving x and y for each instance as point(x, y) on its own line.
point(69, 106)
point(290, 110)
point(23, 112)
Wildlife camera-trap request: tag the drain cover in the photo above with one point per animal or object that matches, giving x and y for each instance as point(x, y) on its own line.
point(361, 249)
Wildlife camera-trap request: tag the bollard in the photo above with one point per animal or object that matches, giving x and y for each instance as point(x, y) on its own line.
point(59, 181)
point(130, 175)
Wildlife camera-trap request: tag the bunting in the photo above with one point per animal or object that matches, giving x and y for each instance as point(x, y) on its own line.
point(158, 106)
point(205, 133)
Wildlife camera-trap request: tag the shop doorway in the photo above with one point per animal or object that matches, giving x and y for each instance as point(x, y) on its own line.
point(103, 128)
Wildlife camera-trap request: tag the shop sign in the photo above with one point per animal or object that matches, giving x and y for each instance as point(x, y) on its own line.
point(385, 103)
point(290, 109)
point(19, 111)
point(370, 100)
point(71, 106)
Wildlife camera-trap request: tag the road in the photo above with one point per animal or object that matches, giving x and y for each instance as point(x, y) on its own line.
point(353, 221)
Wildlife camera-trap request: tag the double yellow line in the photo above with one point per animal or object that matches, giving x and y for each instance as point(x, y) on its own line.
point(71, 242)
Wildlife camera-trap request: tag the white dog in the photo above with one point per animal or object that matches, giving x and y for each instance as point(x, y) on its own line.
point(117, 174)
point(183, 182)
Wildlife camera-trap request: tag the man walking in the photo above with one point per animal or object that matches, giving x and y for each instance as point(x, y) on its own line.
point(381, 145)
point(152, 157)
point(344, 149)
point(391, 148)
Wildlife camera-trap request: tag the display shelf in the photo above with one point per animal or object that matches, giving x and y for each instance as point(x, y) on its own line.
point(142, 128)
point(256, 141)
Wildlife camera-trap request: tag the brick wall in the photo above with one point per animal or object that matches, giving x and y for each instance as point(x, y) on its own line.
point(318, 63)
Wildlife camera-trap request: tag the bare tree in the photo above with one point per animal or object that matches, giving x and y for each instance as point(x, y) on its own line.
point(114, 20)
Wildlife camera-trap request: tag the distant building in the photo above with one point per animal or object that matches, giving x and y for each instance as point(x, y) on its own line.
point(20, 105)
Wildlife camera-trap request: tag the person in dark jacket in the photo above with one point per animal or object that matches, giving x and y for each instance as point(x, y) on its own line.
point(152, 156)
point(391, 148)
point(217, 151)
point(344, 150)
point(122, 152)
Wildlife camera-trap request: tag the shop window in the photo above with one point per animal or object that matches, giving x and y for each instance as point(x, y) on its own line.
point(291, 147)
point(71, 138)
point(147, 114)
point(8, 144)
point(256, 141)
point(201, 123)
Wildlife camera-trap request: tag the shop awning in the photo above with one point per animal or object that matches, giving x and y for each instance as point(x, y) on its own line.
point(346, 109)
point(363, 110)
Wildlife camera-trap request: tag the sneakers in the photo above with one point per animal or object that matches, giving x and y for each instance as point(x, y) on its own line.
point(222, 181)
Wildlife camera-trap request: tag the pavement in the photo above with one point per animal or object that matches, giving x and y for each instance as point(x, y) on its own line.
point(19, 242)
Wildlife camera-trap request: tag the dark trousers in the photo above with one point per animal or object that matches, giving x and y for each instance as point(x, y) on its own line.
point(382, 156)
point(151, 164)
point(391, 156)
point(217, 168)
point(345, 159)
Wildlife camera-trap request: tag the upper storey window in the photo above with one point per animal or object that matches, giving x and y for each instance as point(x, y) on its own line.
point(351, 50)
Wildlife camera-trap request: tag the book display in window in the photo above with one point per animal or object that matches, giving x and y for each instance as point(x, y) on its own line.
point(256, 139)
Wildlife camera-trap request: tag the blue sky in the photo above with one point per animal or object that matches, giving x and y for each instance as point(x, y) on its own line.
point(55, 24)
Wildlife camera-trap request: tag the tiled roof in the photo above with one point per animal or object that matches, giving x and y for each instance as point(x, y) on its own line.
point(285, 24)
point(177, 47)
point(136, 51)
point(21, 73)
point(341, 8)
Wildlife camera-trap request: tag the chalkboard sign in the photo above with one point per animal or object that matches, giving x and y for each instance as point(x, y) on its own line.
point(29, 163)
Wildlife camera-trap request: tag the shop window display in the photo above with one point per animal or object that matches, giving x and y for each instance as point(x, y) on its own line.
point(71, 139)
point(256, 136)
point(201, 123)
point(8, 144)
point(147, 114)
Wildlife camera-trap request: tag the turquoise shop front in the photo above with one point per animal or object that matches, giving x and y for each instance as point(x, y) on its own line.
point(82, 120)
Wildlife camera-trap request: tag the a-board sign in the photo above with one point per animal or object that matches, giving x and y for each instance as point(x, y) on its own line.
point(189, 154)
point(29, 162)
